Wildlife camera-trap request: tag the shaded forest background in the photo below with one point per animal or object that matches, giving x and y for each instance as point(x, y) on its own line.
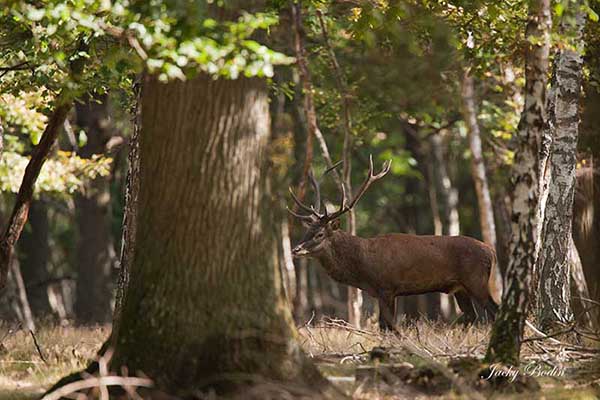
point(399, 88)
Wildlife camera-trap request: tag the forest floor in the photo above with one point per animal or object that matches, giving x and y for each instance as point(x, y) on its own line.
point(426, 360)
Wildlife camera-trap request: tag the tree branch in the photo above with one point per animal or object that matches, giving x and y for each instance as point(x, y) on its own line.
point(20, 211)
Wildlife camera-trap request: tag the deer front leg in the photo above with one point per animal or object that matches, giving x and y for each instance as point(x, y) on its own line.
point(387, 313)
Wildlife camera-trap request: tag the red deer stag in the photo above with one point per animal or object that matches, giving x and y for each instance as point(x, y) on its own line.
point(400, 264)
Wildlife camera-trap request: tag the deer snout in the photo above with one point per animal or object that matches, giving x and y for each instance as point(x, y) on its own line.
point(299, 250)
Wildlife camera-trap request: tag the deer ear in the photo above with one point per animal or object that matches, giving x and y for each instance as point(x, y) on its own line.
point(335, 225)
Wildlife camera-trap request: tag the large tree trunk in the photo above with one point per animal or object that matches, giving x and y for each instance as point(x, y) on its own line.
point(34, 252)
point(553, 263)
point(507, 332)
point(204, 304)
point(95, 252)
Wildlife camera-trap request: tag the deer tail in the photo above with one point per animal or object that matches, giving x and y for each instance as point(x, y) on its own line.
point(495, 280)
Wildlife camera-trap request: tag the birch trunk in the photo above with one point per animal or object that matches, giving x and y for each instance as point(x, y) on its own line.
point(553, 264)
point(507, 332)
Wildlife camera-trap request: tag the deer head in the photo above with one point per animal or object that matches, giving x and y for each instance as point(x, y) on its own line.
point(321, 225)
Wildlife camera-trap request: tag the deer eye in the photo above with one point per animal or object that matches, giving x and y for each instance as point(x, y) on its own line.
point(319, 235)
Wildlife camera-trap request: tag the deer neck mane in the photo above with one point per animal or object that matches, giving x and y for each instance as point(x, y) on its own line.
point(342, 259)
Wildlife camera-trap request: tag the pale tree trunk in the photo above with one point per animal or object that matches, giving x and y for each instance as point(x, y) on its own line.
point(448, 203)
point(433, 201)
point(484, 202)
point(447, 194)
point(95, 252)
point(25, 313)
point(553, 263)
point(484, 199)
point(507, 332)
point(289, 273)
point(204, 305)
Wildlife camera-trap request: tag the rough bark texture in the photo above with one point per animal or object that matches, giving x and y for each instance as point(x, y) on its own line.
point(484, 199)
point(507, 332)
point(20, 211)
point(95, 251)
point(553, 263)
point(34, 251)
point(204, 306)
point(132, 188)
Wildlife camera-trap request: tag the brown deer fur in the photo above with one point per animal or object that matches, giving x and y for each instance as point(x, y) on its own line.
point(394, 265)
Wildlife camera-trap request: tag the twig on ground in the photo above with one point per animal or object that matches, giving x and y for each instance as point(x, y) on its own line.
point(37, 347)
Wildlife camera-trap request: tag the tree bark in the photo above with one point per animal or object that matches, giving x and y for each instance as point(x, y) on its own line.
point(507, 332)
point(132, 188)
point(20, 211)
point(204, 306)
point(553, 263)
point(95, 252)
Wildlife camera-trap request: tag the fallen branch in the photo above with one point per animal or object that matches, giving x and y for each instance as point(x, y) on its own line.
point(97, 382)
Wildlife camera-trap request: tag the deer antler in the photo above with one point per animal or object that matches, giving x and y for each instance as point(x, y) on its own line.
point(313, 209)
point(344, 208)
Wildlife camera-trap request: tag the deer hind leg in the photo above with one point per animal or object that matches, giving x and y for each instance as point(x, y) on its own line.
point(387, 313)
point(485, 306)
point(466, 306)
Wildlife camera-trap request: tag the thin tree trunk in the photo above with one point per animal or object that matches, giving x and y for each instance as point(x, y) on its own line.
point(128, 234)
point(507, 332)
point(553, 263)
point(484, 199)
point(447, 194)
point(288, 263)
point(34, 252)
point(20, 211)
point(95, 252)
point(433, 201)
point(355, 298)
point(25, 308)
point(204, 306)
